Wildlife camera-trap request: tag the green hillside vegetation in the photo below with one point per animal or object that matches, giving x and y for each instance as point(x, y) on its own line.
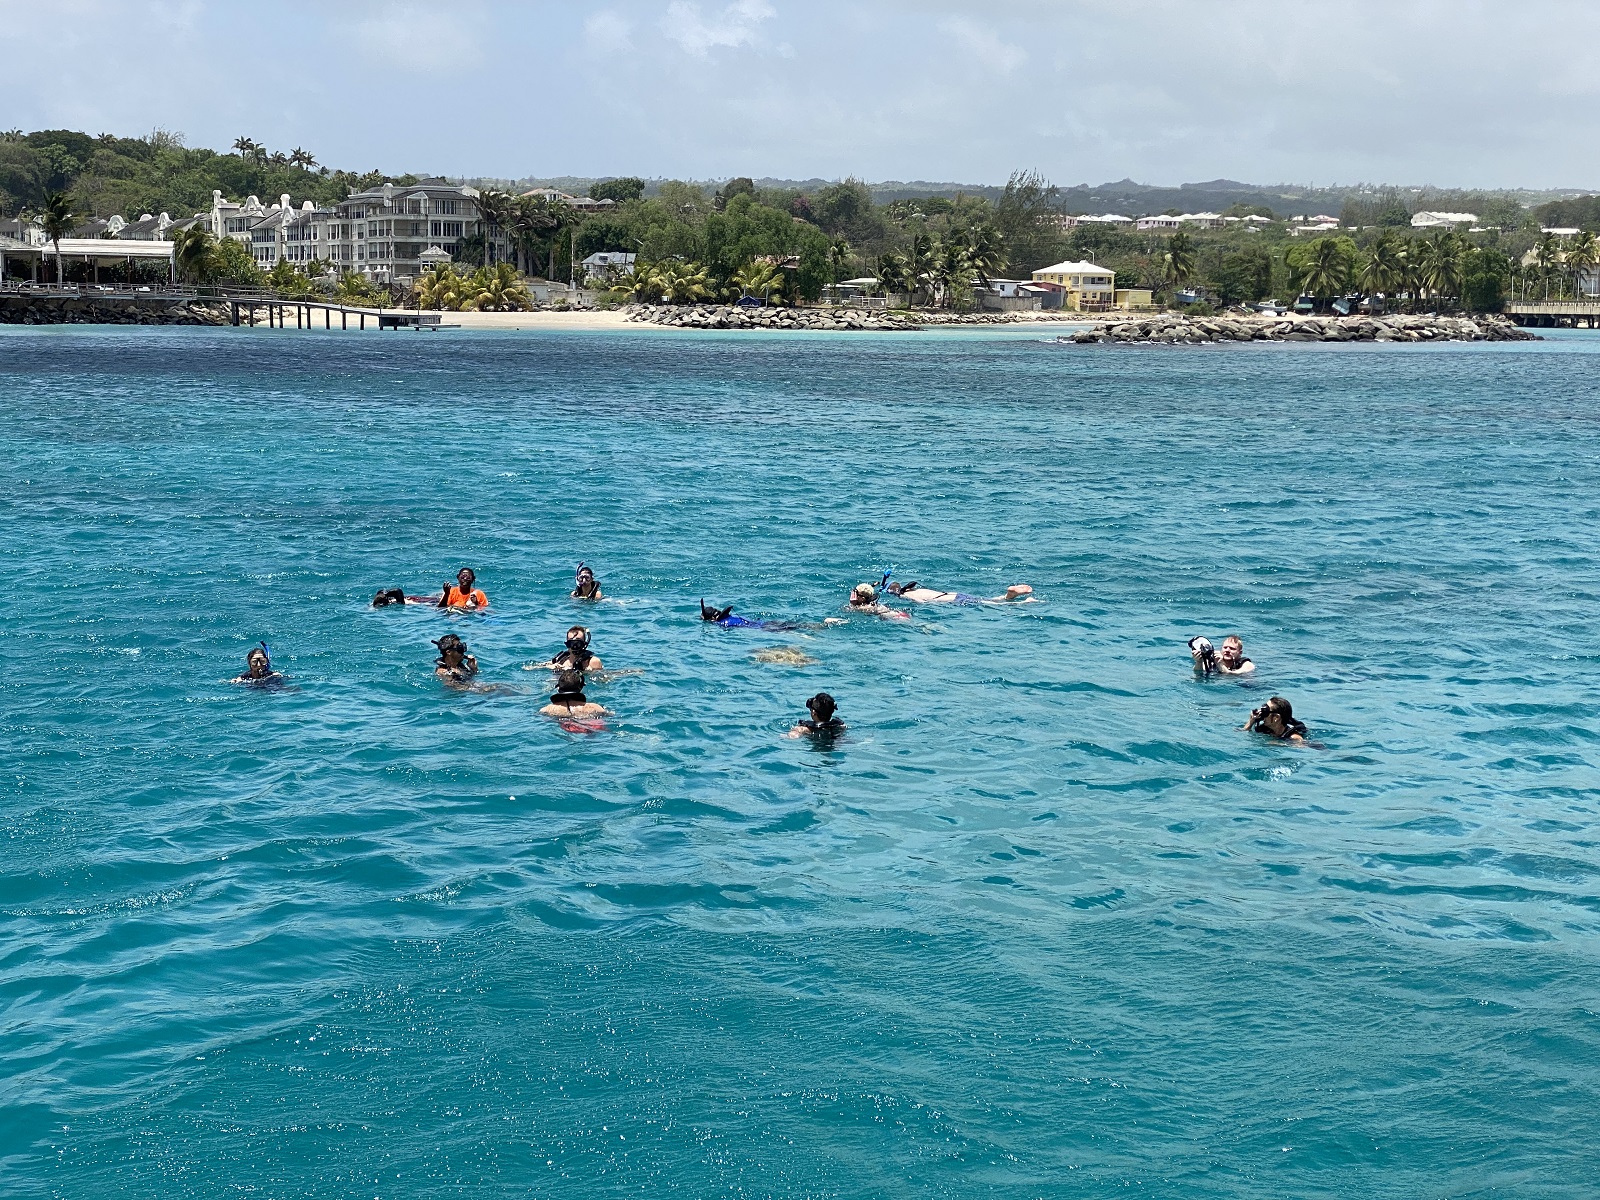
point(157, 173)
point(697, 242)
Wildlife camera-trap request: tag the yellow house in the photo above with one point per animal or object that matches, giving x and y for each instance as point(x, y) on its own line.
point(1088, 287)
point(1134, 299)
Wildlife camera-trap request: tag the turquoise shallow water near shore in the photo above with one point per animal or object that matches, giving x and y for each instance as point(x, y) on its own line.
point(1046, 924)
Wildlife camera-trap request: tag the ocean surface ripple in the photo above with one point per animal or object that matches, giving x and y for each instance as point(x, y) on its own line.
point(1045, 923)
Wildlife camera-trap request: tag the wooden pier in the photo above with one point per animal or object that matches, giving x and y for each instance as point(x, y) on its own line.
point(248, 311)
point(1555, 314)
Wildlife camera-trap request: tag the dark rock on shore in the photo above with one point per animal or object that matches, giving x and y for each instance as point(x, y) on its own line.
point(729, 316)
point(1174, 329)
point(23, 308)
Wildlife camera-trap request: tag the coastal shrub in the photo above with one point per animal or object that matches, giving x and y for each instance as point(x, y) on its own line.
point(1202, 309)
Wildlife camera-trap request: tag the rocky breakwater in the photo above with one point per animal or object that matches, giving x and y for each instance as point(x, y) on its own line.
point(729, 316)
point(24, 308)
point(1175, 329)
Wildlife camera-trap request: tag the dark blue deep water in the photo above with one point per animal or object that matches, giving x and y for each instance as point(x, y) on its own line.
point(1044, 924)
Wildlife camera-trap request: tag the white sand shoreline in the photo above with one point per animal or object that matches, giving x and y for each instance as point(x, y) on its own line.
point(616, 321)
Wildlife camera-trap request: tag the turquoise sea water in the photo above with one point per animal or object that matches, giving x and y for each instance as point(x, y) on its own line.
point(1044, 924)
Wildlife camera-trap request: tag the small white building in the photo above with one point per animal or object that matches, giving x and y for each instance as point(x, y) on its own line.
point(1204, 220)
point(1106, 219)
point(1158, 224)
point(604, 264)
point(1442, 220)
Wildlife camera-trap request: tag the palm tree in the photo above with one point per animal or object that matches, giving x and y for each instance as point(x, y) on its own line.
point(1449, 263)
point(531, 218)
point(495, 208)
point(1179, 258)
point(1546, 253)
point(839, 256)
point(892, 274)
point(1324, 269)
point(986, 253)
point(681, 283)
point(245, 146)
point(1386, 265)
point(496, 289)
point(302, 159)
point(636, 283)
point(56, 218)
point(918, 260)
point(194, 254)
point(1583, 254)
point(755, 278)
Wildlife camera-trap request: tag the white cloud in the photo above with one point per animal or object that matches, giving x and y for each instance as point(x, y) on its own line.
point(736, 25)
point(985, 45)
point(608, 30)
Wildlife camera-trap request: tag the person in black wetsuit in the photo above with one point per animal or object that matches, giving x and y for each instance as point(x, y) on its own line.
point(823, 723)
point(1276, 719)
point(585, 586)
point(577, 656)
point(726, 618)
point(454, 665)
point(258, 670)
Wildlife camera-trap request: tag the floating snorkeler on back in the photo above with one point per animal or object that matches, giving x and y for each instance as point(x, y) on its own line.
point(463, 594)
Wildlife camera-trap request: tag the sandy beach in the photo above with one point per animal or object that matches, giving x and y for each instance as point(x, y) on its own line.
point(587, 319)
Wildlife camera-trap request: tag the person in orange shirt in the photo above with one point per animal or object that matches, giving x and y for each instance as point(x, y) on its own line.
point(464, 593)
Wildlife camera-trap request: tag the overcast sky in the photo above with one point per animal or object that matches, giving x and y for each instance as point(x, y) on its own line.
point(1473, 93)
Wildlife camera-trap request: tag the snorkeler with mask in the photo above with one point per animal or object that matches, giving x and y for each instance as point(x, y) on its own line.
point(864, 598)
point(454, 665)
point(585, 586)
point(1230, 660)
point(577, 656)
point(823, 724)
point(258, 670)
point(726, 618)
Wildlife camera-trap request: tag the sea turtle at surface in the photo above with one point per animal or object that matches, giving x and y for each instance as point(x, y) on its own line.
point(786, 656)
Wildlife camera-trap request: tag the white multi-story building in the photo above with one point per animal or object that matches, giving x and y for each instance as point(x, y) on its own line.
point(381, 233)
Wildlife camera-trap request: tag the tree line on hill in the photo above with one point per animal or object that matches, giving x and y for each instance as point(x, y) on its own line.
point(693, 242)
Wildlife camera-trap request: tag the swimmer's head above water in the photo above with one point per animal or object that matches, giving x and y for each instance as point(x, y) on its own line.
point(1276, 719)
point(452, 652)
point(863, 594)
point(707, 613)
point(569, 688)
point(584, 585)
point(577, 638)
point(258, 662)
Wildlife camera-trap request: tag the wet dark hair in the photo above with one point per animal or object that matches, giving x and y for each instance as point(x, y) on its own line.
point(569, 686)
point(389, 596)
point(707, 613)
point(822, 706)
point(450, 641)
point(580, 632)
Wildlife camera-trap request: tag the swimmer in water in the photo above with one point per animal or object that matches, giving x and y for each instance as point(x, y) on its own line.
point(454, 665)
point(864, 598)
point(1229, 661)
point(577, 656)
point(398, 596)
point(569, 700)
point(823, 724)
point(1017, 593)
point(1276, 719)
point(464, 593)
point(258, 670)
point(726, 618)
point(586, 586)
